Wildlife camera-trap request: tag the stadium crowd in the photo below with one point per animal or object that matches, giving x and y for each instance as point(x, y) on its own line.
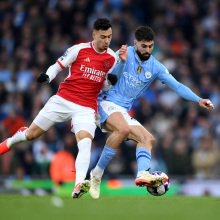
point(33, 34)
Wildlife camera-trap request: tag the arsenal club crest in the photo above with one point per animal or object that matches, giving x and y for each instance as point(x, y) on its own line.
point(106, 64)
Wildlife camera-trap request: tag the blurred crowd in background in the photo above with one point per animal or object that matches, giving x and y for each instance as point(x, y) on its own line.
point(35, 33)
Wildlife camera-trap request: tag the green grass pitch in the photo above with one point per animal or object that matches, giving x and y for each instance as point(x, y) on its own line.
point(17, 207)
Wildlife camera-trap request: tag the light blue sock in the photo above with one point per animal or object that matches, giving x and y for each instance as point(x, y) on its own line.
point(106, 156)
point(143, 158)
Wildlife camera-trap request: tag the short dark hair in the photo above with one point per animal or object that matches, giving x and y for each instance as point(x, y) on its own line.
point(144, 33)
point(102, 24)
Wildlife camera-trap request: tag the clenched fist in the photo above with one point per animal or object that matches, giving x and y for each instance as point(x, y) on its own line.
point(43, 78)
point(112, 78)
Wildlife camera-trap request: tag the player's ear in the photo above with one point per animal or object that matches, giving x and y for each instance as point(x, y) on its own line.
point(93, 35)
point(135, 42)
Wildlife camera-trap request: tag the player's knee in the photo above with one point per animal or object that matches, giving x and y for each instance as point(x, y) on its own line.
point(124, 131)
point(83, 135)
point(152, 140)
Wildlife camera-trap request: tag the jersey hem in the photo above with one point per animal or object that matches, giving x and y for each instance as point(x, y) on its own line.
point(76, 102)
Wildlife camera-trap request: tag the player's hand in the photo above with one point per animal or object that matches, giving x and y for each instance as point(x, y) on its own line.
point(43, 78)
point(123, 53)
point(112, 78)
point(206, 103)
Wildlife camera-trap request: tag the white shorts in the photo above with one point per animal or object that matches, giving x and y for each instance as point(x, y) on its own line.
point(106, 108)
point(59, 110)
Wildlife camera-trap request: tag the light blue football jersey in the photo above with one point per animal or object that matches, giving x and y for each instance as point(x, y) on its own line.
point(134, 76)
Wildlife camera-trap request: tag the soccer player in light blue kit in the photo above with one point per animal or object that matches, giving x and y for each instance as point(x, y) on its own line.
point(135, 71)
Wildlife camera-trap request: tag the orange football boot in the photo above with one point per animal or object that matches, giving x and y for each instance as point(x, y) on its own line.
point(4, 148)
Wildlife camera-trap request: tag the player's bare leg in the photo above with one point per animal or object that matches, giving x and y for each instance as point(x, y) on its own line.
point(22, 134)
point(33, 132)
point(120, 130)
point(145, 142)
point(143, 138)
point(84, 142)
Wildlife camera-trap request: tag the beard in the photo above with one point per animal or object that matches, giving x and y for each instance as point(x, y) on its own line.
point(143, 56)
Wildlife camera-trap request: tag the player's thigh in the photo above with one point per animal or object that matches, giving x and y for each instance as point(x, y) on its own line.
point(140, 135)
point(116, 122)
point(42, 122)
point(83, 123)
point(110, 117)
point(58, 109)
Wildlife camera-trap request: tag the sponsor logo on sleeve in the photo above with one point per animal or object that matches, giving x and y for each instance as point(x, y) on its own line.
point(64, 55)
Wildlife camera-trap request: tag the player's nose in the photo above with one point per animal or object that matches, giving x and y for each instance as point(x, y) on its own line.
point(107, 41)
point(147, 50)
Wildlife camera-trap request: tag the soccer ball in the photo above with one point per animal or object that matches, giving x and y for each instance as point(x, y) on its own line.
point(160, 190)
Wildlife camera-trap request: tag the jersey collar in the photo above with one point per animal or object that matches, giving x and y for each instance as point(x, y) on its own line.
point(92, 45)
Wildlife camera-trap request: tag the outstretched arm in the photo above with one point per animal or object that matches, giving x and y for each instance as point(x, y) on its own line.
point(185, 92)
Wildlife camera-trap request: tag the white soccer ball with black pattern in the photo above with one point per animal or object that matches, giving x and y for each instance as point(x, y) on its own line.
point(160, 190)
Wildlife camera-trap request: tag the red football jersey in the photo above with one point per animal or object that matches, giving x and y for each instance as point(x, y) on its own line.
point(87, 71)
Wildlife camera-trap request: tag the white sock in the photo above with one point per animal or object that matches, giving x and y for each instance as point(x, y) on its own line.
point(98, 172)
point(18, 137)
point(83, 159)
point(142, 172)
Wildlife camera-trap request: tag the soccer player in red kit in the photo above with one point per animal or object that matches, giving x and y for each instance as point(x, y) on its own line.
point(90, 65)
